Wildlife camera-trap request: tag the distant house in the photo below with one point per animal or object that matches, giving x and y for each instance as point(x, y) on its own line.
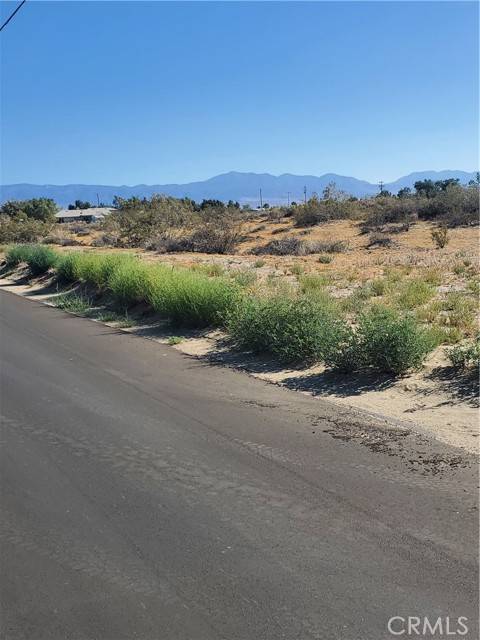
point(94, 214)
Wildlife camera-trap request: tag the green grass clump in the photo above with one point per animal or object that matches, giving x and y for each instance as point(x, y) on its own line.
point(173, 340)
point(191, 298)
point(72, 302)
point(17, 253)
point(313, 282)
point(129, 282)
point(245, 277)
point(461, 311)
point(40, 259)
point(414, 293)
point(297, 269)
point(68, 266)
point(292, 329)
point(379, 286)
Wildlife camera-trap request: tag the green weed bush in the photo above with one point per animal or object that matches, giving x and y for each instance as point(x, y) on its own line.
point(292, 329)
point(392, 342)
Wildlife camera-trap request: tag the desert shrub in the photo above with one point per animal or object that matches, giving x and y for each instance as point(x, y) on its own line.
point(295, 246)
point(413, 293)
point(292, 329)
point(440, 237)
point(386, 211)
point(105, 240)
point(191, 298)
point(22, 229)
point(216, 237)
point(453, 205)
point(316, 210)
point(167, 242)
point(325, 259)
point(348, 354)
point(332, 246)
point(466, 355)
point(61, 240)
point(392, 342)
point(40, 259)
point(290, 245)
point(379, 240)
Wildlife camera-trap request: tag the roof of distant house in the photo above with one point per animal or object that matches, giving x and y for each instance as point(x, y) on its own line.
point(96, 212)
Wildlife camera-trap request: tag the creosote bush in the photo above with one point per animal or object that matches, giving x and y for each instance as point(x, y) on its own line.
point(392, 342)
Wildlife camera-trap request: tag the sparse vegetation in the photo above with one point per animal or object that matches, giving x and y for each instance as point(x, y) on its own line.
point(466, 355)
point(385, 311)
point(440, 237)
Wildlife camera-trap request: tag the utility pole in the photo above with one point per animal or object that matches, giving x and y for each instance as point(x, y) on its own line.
point(305, 194)
point(98, 201)
point(288, 198)
point(380, 184)
point(261, 201)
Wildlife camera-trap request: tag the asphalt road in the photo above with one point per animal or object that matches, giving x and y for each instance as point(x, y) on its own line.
point(145, 494)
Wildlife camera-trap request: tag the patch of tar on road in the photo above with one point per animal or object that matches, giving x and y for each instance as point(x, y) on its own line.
point(410, 447)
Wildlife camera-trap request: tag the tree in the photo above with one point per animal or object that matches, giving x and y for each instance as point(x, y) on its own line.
point(332, 193)
point(404, 193)
point(80, 204)
point(217, 204)
point(43, 209)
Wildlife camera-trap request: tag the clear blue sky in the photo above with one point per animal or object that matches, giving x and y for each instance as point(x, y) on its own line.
point(154, 92)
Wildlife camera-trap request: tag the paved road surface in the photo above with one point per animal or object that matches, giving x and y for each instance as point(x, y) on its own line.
point(147, 495)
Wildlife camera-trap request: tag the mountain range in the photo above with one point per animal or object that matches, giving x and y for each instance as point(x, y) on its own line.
point(244, 187)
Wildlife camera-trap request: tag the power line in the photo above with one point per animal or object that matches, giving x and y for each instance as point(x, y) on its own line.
point(12, 14)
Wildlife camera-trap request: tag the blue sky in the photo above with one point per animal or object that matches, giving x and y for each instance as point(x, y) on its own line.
point(158, 92)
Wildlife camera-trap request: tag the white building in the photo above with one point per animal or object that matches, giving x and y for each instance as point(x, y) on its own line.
point(94, 214)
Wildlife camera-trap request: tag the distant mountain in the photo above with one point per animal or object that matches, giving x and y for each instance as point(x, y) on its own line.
point(244, 187)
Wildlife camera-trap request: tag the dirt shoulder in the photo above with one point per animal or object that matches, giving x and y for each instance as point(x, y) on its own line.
point(435, 402)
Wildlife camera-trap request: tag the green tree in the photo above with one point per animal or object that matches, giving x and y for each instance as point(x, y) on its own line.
point(43, 209)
